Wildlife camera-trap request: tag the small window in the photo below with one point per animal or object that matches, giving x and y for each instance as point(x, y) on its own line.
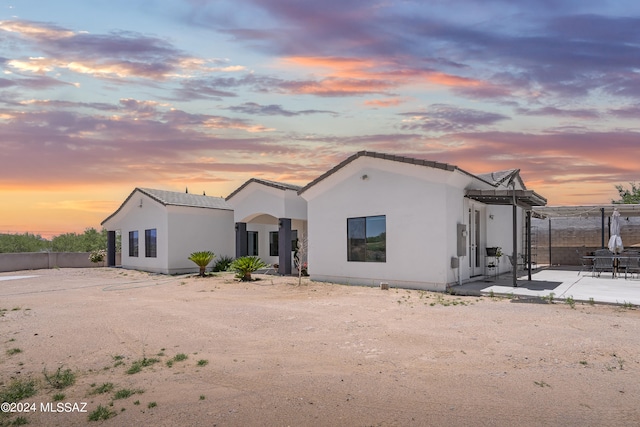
point(367, 239)
point(150, 243)
point(252, 243)
point(273, 243)
point(133, 243)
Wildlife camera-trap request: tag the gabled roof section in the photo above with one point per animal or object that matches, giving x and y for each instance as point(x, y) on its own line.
point(175, 198)
point(391, 157)
point(500, 177)
point(524, 198)
point(274, 184)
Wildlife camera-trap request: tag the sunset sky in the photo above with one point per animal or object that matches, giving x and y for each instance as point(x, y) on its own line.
point(101, 96)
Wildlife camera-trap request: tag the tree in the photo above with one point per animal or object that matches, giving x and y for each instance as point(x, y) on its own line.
point(628, 196)
point(90, 240)
point(26, 242)
point(202, 259)
point(299, 257)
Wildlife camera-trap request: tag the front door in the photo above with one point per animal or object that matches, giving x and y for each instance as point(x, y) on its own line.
point(475, 254)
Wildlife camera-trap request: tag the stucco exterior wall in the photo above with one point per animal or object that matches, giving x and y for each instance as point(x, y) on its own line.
point(196, 229)
point(257, 199)
point(422, 207)
point(499, 226)
point(142, 213)
point(180, 231)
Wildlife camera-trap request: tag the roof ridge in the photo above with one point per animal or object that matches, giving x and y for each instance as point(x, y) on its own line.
point(268, 183)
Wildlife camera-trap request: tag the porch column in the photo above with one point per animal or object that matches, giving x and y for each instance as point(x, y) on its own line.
point(111, 248)
point(602, 227)
point(284, 246)
point(241, 240)
point(514, 256)
point(528, 257)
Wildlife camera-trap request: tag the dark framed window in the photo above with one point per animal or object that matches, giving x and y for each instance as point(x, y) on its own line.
point(133, 243)
point(151, 243)
point(367, 239)
point(273, 243)
point(252, 243)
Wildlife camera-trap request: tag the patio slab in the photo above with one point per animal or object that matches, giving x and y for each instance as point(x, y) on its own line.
point(563, 283)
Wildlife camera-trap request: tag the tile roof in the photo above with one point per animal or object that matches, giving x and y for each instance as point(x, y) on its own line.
point(176, 198)
point(409, 160)
point(274, 184)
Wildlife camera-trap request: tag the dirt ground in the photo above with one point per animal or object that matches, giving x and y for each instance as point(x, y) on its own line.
point(271, 353)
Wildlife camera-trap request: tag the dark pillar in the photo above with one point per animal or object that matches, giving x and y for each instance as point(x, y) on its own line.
point(111, 248)
point(514, 256)
point(515, 242)
point(528, 259)
point(284, 246)
point(602, 228)
point(550, 264)
point(242, 241)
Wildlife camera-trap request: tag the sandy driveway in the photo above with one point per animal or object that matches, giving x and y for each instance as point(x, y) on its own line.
point(270, 353)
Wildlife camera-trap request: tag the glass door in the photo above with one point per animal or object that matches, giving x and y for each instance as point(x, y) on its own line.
point(475, 254)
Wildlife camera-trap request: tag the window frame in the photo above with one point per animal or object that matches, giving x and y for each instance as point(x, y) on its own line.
point(252, 250)
point(151, 243)
point(134, 243)
point(359, 242)
point(273, 243)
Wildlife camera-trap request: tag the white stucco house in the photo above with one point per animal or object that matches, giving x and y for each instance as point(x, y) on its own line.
point(411, 223)
point(269, 218)
point(160, 229)
point(373, 218)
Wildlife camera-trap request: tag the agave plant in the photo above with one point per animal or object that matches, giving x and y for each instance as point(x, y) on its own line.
point(246, 265)
point(202, 259)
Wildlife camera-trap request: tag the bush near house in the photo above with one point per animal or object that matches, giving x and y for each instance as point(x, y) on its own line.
point(246, 265)
point(222, 264)
point(202, 259)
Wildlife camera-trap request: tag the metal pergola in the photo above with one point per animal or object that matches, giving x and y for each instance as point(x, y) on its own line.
point(525, 199)
point(586, 211)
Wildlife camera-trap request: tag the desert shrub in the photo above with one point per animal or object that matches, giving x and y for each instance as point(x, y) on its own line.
point(246, 265)
point(18, 390)
point(60, 379)
point(202, 259)
point(222, 264)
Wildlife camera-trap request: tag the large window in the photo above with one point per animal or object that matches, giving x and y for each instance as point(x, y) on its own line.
point(133, 243)
point(252, 243)
point(151, 243)
point(367, 239)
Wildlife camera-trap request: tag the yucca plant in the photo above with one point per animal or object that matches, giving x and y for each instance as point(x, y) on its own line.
point(246, 265)
point(202, 259)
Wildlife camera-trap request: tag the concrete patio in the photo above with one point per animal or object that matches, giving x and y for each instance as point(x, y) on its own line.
point(562, 282)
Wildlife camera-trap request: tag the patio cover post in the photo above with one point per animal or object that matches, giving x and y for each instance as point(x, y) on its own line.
point(550, 263)
point(529, 243)
point(514, 257)
point(602, 230)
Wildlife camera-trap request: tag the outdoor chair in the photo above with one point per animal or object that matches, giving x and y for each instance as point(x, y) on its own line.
point(631, 263)
point(603, 261)
point(585, 263)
